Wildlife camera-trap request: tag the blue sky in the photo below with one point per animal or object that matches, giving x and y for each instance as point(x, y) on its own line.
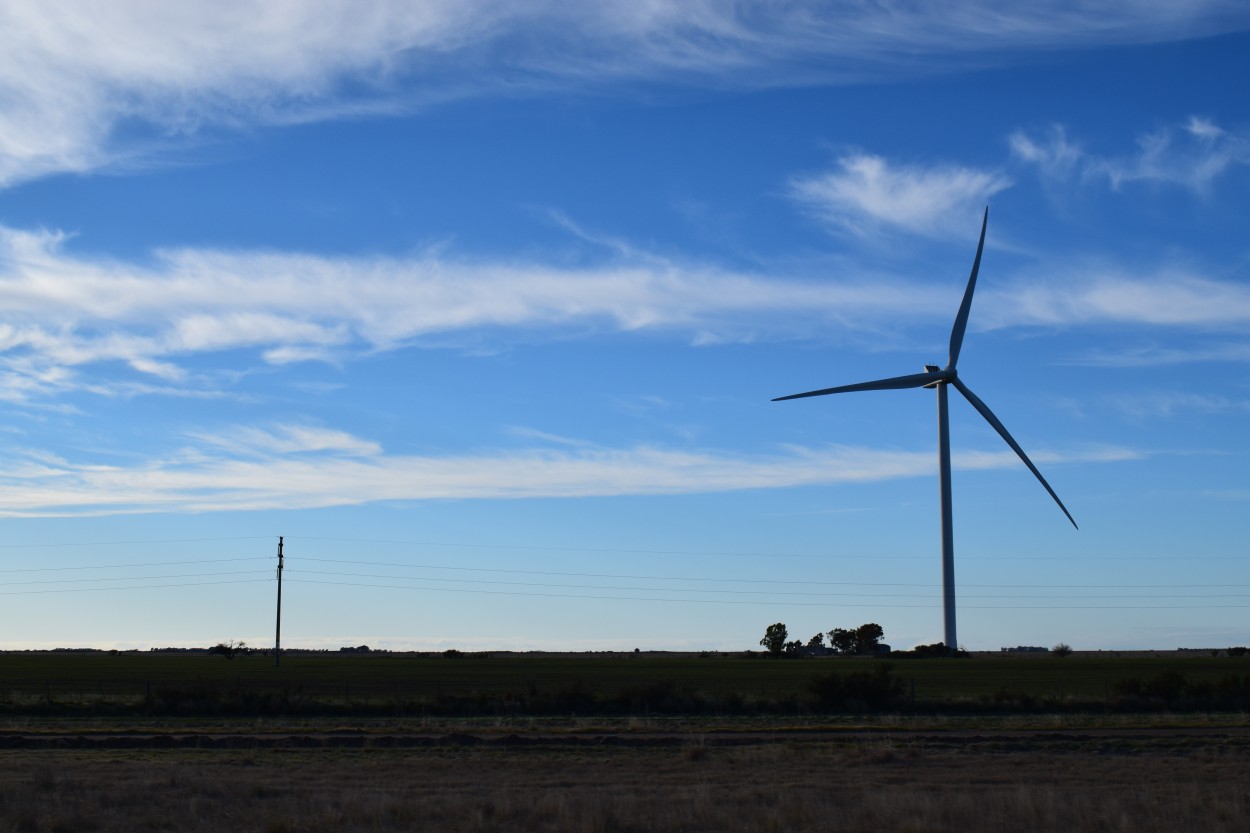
point(482, 305)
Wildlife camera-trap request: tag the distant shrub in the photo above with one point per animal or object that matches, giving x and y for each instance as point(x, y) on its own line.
point(1169, 685)
point(871, 690)
point(207, 698)
point(1013, 699)
point(1234, 687)
point(1165, 688)
point(660, 696)
point(1173, 690)
point(937, 649)
point(228, 649)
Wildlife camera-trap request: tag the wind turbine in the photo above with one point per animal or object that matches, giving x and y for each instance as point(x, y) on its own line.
point(933, 377)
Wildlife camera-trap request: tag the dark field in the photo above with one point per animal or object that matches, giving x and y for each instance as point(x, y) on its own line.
point(605, 683)
point(89, 742)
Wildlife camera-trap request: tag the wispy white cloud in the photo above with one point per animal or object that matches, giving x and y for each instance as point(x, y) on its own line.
point(1052, 152)
point(1155, 355)
point(1162, 297)
point(289, 439)
point(64, 312)
point(641, 405)
point(1190, 156)
point(291, 467)
point(1165, 404)
point(867, 193)
point(73, 73)
point(547, 437)
point(84, 85)
point(121, 328)
point(1204, 128)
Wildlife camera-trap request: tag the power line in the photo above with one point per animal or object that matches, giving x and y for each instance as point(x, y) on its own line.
point(597, 575)
point(758, 593)
point(622, 576)
point(133, 543)
point(127, 578)
point(599, 550)
point(128, 566)
point(856, 556)
point(748, 580)
point(754, 603)
point(134, 587)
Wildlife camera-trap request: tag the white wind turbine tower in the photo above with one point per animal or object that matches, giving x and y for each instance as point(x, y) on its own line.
point(933, 377)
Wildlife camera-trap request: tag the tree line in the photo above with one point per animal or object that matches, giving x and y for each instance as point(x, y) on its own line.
point(865, 640)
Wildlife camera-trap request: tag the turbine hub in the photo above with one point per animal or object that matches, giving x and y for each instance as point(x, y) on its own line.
point(948, 373)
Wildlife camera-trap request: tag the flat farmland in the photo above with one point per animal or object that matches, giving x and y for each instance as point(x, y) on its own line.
point(68, 678)
point(89, 742)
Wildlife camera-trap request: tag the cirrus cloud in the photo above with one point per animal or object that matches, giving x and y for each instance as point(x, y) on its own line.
point(65, 313)
point(85, 85)
point(299, 467)
point(69, 316)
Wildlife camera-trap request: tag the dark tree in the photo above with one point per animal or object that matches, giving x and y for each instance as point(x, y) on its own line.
point(868, 637)
point(862, 640)
point(227, 649)
point(1061, 650)
point(842, 640)
point(817, 641)
point(775, 638)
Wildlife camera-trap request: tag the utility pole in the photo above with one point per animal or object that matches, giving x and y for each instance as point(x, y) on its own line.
point(277, 636)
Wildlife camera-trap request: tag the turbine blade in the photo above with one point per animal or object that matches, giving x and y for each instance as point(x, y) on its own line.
point(915, 380)
point(961, 320)
point(1002, 432)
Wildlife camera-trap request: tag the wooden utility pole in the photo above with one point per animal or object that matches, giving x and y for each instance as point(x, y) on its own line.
point(277, 636)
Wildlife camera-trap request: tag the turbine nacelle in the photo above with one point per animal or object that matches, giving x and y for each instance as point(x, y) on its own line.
point(946, 375)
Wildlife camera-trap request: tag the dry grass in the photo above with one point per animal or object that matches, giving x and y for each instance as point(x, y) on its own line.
point(904, 783)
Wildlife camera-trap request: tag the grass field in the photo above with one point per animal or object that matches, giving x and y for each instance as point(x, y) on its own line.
point(640, 682)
